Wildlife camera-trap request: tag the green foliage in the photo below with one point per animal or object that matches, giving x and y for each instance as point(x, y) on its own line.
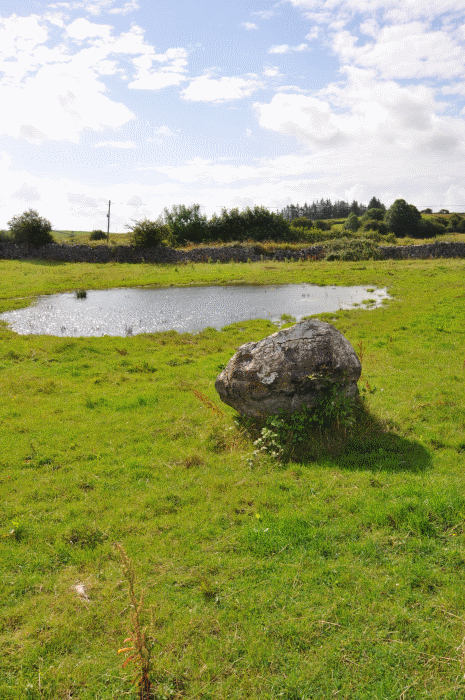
point(98, 235)
point(288, 436)
point(4, 236)
point(258, 224)
point(302, 222)
point(375, 203)
point(31, 229)
point(80, 294)
point(426, 211)
point(402, 218)
point(147, 234)
point(322, 225)
point(443, 211)
point(428, 228)
point(374, 214)
point(352, 223)
point(186, 223)
point(352, 249)
point(373, 225)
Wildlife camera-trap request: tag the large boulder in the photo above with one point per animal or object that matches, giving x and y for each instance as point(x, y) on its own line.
point(288, 369)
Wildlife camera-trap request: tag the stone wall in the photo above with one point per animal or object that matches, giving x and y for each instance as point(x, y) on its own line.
point(159, 254)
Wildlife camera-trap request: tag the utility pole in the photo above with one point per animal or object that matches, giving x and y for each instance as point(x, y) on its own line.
point(108, 225)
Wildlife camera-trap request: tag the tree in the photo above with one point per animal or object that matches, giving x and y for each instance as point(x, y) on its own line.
point(375, 203)
point(352, 223)
point(31, 229)
point(148, 234)
point(402, 218)
point(375, 214)
point(186, 223)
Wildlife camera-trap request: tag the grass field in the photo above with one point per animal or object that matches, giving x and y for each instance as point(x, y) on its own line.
point(341, 576)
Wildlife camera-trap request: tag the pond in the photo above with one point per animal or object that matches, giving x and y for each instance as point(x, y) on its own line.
point(122, 312)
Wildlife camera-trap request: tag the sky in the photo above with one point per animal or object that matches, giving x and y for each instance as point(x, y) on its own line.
point(228, 103)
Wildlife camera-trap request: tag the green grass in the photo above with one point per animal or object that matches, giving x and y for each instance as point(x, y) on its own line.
point(340, 576)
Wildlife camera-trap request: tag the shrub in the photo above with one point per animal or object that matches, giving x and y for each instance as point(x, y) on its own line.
point(426, 211)
point(443, 211)
point(373, 214)
point(148, 234)
point(352, 249)
point(402, 218)
point(302, 222)
point(4, 236)
point(31, 229)
point(322, 225)
point(378, 226)
point(257, 223)
point(455, 223)
point(352, 223)
point(97, 235)
point(428, 229)
point(186, 223)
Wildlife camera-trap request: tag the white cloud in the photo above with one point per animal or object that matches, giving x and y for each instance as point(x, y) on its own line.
point(248, 25)
point(115, 144)
point(307, 118)
point(404, 51)
point(285, 48)
point(265, 14)
point(208, 89)
point(272, 72)
point(97, 7)
point(394, 10)
point(173, 73)
point(83, 29)
point(313, 34)
point(63, 84)
point(128, 7)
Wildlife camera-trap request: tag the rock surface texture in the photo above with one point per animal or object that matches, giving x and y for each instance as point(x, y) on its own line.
point(288, 369)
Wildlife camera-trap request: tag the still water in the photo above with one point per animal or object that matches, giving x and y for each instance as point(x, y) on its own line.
point(123, 312)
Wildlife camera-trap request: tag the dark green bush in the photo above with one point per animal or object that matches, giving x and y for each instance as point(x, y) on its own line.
point(402, 218)
point(374, 214)
point(427, 228)
point(186, 223)
point(352, 223)
point(322, 225)
point(456, 224)
point(302, 222)
point(4, 236)
point(378, 226)
point(258, 224)
point(148, 234)
point(31, 229)
point(98, 235)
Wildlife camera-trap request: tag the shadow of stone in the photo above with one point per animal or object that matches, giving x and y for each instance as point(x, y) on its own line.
point(369, 444)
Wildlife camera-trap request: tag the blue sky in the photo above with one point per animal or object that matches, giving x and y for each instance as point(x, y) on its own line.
point(228, 103)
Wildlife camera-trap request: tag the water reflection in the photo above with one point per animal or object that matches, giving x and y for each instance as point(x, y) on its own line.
point(122, 312)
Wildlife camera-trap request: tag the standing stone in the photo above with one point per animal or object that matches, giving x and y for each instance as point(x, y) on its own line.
point(288, 369)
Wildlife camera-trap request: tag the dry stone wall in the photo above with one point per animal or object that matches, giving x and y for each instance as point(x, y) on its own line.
point(160, 254)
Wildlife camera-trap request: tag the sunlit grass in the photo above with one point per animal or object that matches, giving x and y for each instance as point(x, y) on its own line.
point(335, 577)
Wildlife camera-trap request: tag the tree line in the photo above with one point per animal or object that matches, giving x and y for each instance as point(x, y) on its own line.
point(184, 224)
point(326, 209)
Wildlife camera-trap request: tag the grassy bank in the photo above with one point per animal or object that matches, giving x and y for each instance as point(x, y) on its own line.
point(341, 577)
